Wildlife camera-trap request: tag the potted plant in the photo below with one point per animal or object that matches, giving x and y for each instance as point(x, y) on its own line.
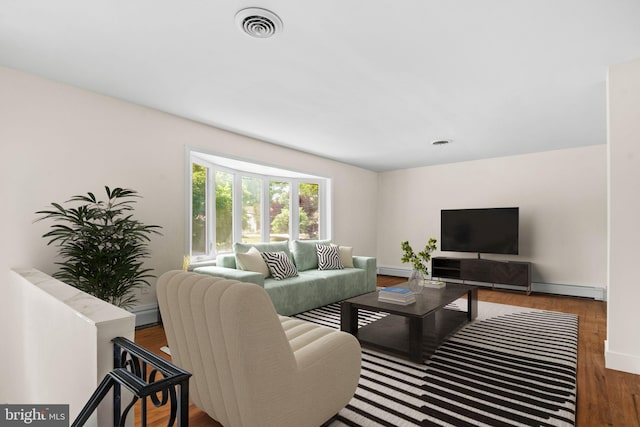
point(419, 261)
point(101, 245)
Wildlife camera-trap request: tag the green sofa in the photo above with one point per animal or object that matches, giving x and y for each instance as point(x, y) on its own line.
point(312, 287)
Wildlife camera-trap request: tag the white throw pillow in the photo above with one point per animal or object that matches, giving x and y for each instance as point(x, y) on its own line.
point(346, 255)
point(252, 261)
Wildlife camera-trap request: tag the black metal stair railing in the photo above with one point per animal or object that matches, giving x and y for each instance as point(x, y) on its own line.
point(130, 362)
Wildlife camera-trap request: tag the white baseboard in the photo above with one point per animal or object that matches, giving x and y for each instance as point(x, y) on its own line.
point(147, 314)
point(394, 271)
point(583, 291)
point(620, 361)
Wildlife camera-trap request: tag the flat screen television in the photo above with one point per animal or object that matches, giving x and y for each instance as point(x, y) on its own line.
point(489, 231)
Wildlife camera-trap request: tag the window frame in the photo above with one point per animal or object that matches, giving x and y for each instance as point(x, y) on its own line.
point(294, 178)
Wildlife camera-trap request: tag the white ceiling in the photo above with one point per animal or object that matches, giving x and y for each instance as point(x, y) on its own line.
point(370, 83)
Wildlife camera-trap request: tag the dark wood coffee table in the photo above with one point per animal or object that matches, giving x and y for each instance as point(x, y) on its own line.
point(414, 330)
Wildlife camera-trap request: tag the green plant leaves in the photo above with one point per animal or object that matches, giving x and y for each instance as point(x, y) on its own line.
point(102, 245)
point(420, 261)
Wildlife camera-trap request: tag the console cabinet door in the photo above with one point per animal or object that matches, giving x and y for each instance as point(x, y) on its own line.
point(479, 270)
point(512, 273)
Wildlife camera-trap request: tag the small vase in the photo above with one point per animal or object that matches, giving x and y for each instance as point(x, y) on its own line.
point(415, 281)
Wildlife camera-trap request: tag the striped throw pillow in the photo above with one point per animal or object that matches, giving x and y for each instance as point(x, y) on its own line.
point(328, 258)
point(280, 265)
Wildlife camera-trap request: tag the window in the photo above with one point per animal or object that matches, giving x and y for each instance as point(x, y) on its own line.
point(251, 209)
point(224, 211)
point(198, 210)
point(279, 212)
point(308, 196)
point(235, 201)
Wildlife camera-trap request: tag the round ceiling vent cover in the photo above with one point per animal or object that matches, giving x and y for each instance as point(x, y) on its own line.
point(258, 22)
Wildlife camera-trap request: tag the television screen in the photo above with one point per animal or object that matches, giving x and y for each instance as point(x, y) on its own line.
point(490, 231)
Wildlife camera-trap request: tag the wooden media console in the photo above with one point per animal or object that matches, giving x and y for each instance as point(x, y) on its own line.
point(513, 273)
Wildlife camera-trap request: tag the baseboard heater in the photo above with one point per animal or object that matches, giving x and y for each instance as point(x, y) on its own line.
point(148, 314)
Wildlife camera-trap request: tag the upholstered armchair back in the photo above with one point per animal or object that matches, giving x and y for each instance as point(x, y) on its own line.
point(246, 370)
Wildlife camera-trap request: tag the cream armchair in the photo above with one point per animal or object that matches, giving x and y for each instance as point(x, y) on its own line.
point(252, 367)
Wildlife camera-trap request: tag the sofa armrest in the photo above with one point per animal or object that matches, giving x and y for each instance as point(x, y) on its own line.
point(232, 273)
point(226, 260)
point(370, 266)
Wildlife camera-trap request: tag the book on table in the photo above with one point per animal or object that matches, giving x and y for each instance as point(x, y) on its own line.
point(435, 284)
point(395, 301)
point(396, 296)
point(394, 292)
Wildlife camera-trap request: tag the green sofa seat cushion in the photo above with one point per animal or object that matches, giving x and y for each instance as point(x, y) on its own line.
point(341, 284)
point(315, 288)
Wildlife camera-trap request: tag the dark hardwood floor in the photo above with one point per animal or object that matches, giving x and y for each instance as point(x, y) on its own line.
point(605, 397)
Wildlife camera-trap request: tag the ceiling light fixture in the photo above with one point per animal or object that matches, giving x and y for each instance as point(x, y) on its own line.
point(440, 142)
point(259, 23)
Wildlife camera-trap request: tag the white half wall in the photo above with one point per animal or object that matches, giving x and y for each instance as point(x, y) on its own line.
point(58, 344)
point(562, 196)
point(58, 141)
point(622, 348)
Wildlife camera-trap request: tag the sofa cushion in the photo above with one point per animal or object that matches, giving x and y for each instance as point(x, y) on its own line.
point(295, 294)
point(252, 261)
point(280, 265)
point(305, 253)
point(346, 256)
point(328, 257)
point(316, 288)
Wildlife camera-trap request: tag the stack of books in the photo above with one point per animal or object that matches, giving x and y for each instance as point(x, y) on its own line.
point(434, 284)
point(395, 295)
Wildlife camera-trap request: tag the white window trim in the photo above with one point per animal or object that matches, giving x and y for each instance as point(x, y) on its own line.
point(293, 177)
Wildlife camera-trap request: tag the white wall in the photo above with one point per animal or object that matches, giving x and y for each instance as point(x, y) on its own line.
point(60, 337)
point(622, 348)
point(58, 141)
point(561, 196)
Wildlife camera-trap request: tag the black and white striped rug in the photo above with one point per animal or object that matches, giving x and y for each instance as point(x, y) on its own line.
point(512, 366)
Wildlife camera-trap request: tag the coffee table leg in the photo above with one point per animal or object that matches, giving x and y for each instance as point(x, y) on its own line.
point(415, 339)
point(472, 304)
point(349, 318)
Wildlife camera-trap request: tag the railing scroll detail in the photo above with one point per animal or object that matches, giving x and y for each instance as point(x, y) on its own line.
point(145, 375)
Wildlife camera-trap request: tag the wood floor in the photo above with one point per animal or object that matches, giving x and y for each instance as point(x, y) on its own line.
point(605, 397)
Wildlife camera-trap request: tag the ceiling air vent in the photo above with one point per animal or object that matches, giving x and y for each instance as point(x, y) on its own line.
point(259, 23)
